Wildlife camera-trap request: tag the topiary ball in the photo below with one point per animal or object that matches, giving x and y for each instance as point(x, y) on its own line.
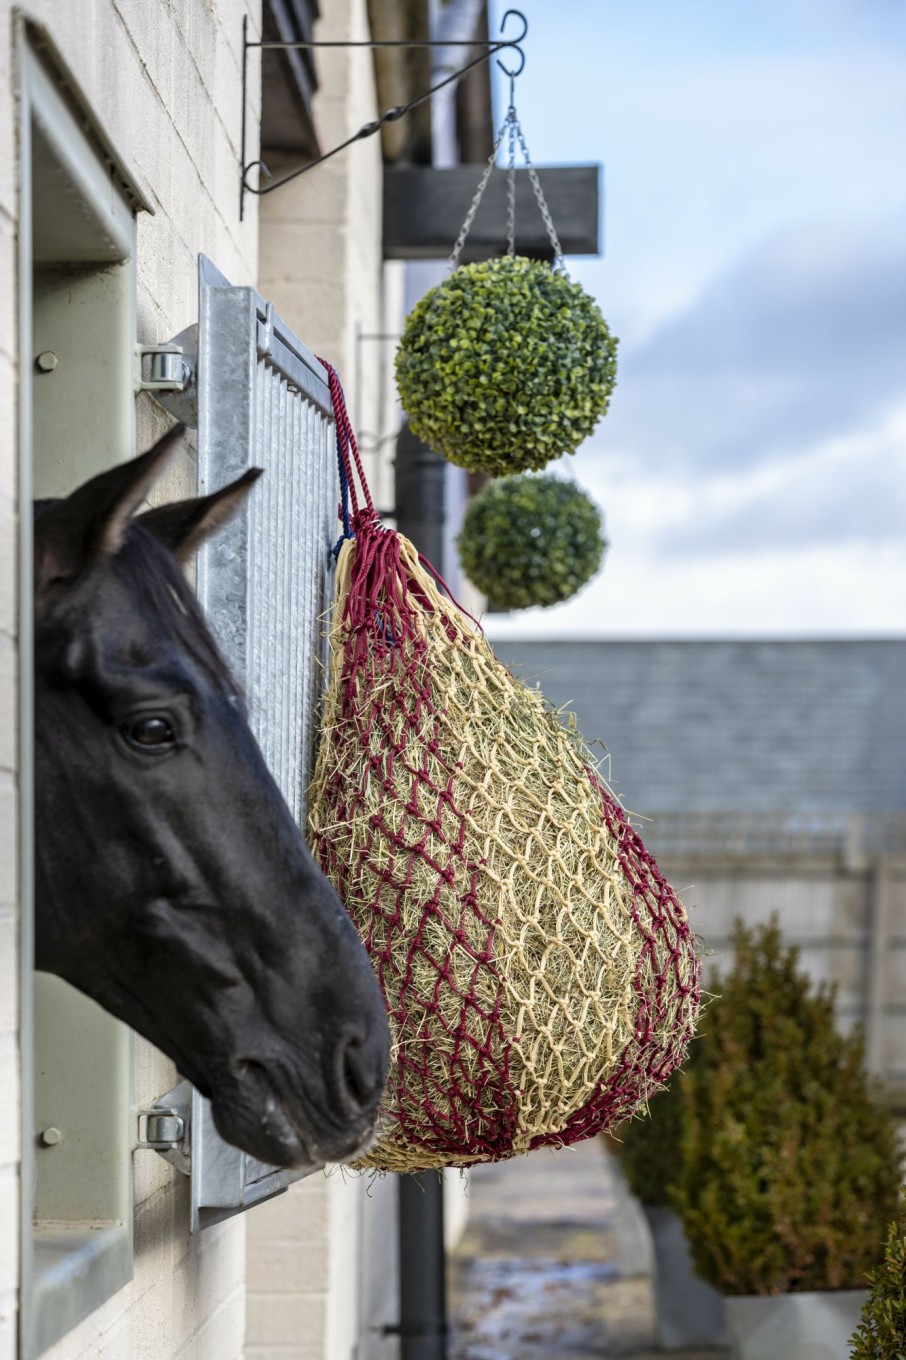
point(505, 366)
point(531, 541)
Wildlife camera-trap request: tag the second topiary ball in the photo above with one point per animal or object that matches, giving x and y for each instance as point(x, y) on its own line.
point(531, 541)
point(505, 366)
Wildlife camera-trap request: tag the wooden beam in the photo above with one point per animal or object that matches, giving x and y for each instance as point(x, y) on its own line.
point(288, 79)
point(424, 209)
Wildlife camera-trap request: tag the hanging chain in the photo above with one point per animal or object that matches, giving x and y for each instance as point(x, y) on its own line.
point(466, 227)
point(559, 262)
point(511, 130)
point(512, 123)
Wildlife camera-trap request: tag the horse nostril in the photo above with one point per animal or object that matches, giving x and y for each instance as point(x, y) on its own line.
point(357, 1081)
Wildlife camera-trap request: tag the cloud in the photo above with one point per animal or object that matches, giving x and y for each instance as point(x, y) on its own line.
point(851, 590)
point(803, 340)
point(844, 491)
point(753, 466)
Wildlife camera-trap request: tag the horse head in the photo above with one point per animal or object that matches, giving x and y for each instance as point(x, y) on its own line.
point(172, 883)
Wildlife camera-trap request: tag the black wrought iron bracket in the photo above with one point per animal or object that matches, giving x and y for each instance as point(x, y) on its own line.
point(391, 115)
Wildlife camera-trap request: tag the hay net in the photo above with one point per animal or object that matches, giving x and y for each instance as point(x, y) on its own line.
point(540, 975)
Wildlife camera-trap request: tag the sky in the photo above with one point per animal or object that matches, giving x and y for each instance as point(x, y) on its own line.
point(752, 467)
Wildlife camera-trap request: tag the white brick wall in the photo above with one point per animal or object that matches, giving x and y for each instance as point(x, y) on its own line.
point(289, 1274)
point(164, 78)
point(165, 81)
point(321, 264)
point(320, 241)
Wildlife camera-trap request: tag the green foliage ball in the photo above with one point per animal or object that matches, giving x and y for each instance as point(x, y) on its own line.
point(882, 1332)
point(788, 1162)
point(505, 366)
point(531, 541)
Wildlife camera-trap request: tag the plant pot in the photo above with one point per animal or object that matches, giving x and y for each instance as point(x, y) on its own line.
point(807, 1326)
point(635, 1250)
point(689, 1311)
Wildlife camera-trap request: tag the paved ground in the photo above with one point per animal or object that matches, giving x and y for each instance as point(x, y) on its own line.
point(554, 1264)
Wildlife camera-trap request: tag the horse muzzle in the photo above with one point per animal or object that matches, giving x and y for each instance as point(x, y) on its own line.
point(285, 1123)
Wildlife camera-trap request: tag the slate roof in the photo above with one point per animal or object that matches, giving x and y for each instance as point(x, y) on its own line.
point(736, 726)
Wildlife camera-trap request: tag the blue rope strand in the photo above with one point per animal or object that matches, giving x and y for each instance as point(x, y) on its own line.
point(342, 448)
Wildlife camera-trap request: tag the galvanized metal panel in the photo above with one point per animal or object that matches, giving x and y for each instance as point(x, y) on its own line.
point(265, 584)
point(264, 581)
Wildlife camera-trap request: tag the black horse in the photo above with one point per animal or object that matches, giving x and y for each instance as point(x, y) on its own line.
point(172, 884)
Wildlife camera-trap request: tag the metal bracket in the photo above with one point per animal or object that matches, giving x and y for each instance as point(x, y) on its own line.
point(369, 129)
point(171, 374)
point(166, 1127)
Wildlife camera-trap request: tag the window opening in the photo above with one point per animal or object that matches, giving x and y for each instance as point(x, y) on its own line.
point(77, 328)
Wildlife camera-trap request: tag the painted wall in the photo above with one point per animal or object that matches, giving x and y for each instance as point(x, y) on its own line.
point(165, 81)
point(320, 257)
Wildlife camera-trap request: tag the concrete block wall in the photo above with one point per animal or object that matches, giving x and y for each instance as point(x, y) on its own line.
point(320, 257)
point(321, 264)
point(847, 920)
point(165, 81)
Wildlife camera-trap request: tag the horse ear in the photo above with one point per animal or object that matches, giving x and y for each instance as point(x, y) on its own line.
point(76, 533)
point(183, 526)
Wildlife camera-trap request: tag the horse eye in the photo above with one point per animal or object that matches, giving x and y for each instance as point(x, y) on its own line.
point(151, 733)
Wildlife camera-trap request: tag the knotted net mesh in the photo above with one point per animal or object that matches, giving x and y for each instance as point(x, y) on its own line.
point(540, 975)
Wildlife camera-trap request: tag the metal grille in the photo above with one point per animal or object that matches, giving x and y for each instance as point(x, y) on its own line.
point(264, 582)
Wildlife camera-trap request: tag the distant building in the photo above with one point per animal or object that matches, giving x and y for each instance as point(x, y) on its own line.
point(773, 775)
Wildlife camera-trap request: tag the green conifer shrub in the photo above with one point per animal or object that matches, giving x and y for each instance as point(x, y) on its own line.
point(531, 541)
point(881, 1335)
point(648, 1146)
point(788, 1162)
point(505, 366)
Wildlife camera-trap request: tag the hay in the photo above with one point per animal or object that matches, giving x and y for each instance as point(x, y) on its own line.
point(540, 976)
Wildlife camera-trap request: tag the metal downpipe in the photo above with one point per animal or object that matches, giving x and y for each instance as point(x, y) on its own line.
point(420, 480)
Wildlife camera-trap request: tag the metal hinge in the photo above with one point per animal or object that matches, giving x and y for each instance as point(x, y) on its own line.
point(168, 373)
point(166, 1127)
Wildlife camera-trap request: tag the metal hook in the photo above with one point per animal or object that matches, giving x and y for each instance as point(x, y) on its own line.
point(514, 43)
point(265, 173)
point(486, 49)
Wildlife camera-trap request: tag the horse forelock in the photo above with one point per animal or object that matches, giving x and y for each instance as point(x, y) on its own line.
point(156, 581)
